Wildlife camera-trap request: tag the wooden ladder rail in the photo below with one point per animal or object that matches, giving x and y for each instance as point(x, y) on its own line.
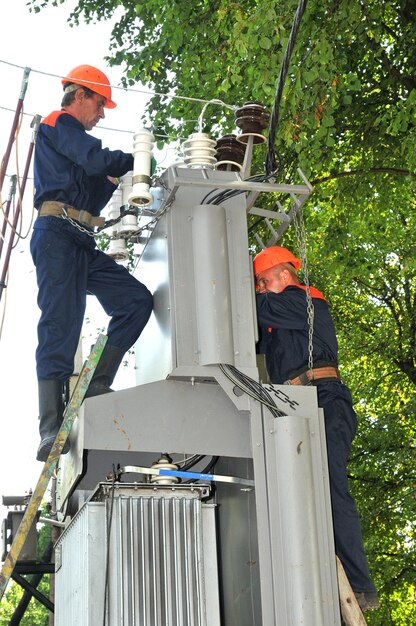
point(350, 609)
point(70, 413)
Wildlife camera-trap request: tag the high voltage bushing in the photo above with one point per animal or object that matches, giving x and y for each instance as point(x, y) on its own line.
point(230, 153)
point(143, 142)
point(164, 463)
point(129, 223)
point(252, 118)
point(117, 247)
point(199, 151)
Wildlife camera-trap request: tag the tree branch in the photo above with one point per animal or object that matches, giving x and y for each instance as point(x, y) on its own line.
point(371, 170)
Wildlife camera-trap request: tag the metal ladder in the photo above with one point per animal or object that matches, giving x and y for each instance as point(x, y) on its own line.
point(70, 413)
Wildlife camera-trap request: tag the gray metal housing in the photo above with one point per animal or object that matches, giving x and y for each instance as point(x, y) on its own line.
point(139, 555)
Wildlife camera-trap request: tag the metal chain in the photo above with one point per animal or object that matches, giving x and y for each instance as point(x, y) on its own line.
point(281, 396)
point(116, 220)
point(79, 227)
point(301, 241)
point(99, 233)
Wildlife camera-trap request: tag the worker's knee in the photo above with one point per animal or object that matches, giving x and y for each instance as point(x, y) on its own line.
point(141, 300)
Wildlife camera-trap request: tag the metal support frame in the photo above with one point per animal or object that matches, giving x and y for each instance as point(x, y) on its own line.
point(27, 586)
point(183, 177)
point(34, 568)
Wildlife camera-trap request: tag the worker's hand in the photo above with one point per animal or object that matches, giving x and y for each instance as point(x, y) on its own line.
point(113, 180)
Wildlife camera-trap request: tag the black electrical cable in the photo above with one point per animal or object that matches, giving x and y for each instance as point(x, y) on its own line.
point(226, 194)
point(192, 462)
point(251, 387)
point(271, 160)
point(107, 558)
point(257, 389)
point(204, 199)
point(208, 468)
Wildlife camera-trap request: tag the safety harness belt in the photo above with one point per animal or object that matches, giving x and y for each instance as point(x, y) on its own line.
point(60, 209)
point(309, 376)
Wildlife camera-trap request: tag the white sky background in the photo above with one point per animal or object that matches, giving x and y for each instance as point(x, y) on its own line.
point(45, 43)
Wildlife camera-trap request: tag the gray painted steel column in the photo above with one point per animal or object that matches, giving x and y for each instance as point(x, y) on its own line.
point(302, 554)
point(212, 285)
point(297, 506)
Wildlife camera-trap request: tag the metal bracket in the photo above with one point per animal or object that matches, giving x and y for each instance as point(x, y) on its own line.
point(133, 469)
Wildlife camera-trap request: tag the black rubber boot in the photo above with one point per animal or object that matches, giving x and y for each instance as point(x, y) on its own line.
point(105, 371)
point(51, 408)
point(367, 600)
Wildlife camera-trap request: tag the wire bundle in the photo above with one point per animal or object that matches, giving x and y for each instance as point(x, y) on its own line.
point(251, 387)
point(226, 194)
point(271, 161)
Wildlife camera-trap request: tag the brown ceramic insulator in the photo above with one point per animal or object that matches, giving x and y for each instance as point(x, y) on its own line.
point(230, 153)
point(252, 118)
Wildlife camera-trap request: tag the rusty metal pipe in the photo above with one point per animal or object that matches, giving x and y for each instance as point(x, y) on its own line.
point(35, 125)
point(5, 160)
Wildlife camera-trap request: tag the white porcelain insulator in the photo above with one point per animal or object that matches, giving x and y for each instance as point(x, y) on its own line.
point(164, 480)
point(118, 250)
point(128, 226)
point(143, 143)
point(126, 184)
point(199, 151)
point(113, 208)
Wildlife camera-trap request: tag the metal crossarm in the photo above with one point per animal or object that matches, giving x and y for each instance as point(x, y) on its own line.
point(70, 413)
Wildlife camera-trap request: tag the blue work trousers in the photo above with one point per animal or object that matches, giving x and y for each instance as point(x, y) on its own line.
point(340, 427)
point(68, 266)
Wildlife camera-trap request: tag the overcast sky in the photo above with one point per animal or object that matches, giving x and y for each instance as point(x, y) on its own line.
point(45, 43)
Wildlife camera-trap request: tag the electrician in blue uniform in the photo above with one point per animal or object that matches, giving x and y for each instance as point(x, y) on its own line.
point(74, 179)
point(283, 320)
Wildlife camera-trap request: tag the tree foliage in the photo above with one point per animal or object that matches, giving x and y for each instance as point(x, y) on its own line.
point(347, 118)
point(35, 614)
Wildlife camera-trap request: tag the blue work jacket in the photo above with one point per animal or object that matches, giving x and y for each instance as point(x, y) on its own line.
point(71, 165)
point(284, 332)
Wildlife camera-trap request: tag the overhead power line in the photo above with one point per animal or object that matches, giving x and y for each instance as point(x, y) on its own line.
point(147, 92)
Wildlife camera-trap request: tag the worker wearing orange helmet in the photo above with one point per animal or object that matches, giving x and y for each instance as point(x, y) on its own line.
point(282, 311)
point(75, 178)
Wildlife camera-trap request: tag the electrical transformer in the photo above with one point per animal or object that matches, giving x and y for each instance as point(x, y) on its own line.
point(243, 537)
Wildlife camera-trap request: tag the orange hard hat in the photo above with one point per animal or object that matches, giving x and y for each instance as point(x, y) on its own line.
point(94, 79)
point(269, 257)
